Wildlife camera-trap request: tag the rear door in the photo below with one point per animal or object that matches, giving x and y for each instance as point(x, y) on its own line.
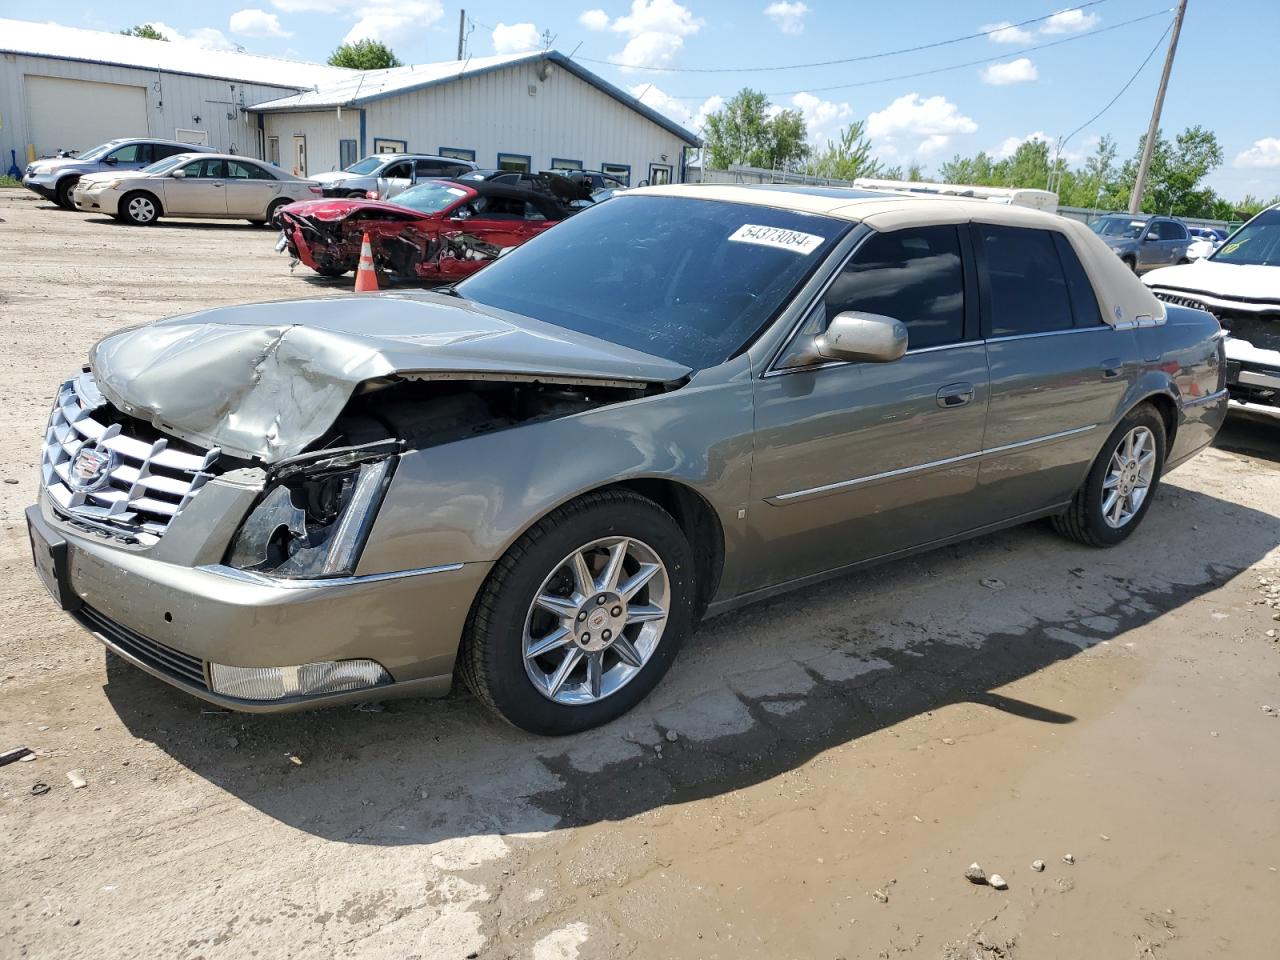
point(1058, 373)
point(249, 189)
point(200, 192)
point(858, 460)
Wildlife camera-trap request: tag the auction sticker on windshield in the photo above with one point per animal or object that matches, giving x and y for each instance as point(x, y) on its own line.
point(778, 237)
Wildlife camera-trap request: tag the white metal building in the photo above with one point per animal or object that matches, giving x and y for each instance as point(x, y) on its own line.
point(532, 111)
point(66, 88)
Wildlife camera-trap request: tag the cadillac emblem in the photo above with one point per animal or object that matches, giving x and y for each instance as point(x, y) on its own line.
point(90, 468)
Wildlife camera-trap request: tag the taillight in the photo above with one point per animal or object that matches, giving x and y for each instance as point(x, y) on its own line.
point(316, 190)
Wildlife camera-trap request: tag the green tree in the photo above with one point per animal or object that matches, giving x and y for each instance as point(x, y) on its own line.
point(146, 31)
point(848, 158)
point(364, 55)
point(978, 171)
point(1175, 180)
point(747, 131)
point(1028, 167)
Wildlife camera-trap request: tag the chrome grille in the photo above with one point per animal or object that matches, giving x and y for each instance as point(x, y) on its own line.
point(1180, 301)
point(147, 483)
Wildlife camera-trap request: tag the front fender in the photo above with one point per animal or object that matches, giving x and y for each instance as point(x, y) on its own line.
point(468, 501)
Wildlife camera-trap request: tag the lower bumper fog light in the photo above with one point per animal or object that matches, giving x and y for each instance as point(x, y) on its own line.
point(308, 679)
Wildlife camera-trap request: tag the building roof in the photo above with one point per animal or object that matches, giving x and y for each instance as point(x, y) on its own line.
point(175, 56)
point(370, 85)
point(1122, 298)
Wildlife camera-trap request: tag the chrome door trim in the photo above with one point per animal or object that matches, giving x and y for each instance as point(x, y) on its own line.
point(1220, 394)
point(783, 499)
point(1049, 333)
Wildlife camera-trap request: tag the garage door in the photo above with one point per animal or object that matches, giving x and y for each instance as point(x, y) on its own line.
point(65, 114)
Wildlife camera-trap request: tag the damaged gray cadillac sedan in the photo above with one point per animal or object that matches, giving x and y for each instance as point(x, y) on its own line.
point(672, 404)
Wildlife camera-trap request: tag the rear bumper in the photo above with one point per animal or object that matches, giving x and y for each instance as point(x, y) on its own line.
point(173, 620)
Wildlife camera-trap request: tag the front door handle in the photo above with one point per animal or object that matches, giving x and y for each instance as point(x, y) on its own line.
point(1112, 368)
point(955, 395)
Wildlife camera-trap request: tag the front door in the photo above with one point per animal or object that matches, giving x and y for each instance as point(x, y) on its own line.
point(1058, 373)
point(396, 178)
point(299, 156)
point(199, 192)
point(859, 460)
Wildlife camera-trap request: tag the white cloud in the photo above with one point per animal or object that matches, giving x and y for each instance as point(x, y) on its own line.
point(308, 6)
point(930, 122)
point(1263, 153)
point(1009, 145)
point(823, 119)
point(1005, 32)
point(1069, 21)
point(787, 16)
point(677, 110)
point(655, 30)
point(391, 20)
point(1021, 70)
point(257, 23)
point(206, 38)
point(516, 38)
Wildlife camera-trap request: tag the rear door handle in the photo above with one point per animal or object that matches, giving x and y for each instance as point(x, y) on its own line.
point(955, 395)
point(1111, 369)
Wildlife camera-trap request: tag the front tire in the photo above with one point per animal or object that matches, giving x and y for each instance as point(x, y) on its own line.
point(62, 194)
point(140, 209)
point(1121, 483)
point(583, 616)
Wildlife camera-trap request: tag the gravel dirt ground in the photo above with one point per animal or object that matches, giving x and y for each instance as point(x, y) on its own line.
point(811, 781)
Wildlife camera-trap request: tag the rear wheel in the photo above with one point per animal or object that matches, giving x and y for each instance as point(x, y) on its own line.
point(62, 194)
point(140, 209)
point(1117, 492)
point(583, 616)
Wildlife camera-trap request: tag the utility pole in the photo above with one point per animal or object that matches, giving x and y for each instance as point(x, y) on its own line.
point(462, 31)
point(1140, 182)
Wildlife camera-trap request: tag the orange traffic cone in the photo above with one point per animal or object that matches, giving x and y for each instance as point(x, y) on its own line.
point(366, 278)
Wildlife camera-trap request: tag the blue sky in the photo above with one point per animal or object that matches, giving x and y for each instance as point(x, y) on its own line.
point(1222, 77)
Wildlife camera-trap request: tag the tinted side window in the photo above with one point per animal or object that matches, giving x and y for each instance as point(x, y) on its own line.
point(1027, 287)
point(913, 275)
point(161, 150)
point(1084, 303)
point(400, 170)
point(246, 171)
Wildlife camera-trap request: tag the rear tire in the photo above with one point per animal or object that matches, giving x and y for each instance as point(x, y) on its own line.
point(62, 194)
point(140, 209)
point(596, 671)
point(1103, 512)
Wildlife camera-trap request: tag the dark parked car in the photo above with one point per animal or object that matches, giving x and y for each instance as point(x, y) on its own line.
point(673, 404)
point(56, 178)
point(1144, 243)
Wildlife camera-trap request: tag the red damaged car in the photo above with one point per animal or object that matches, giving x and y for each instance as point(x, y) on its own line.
point(440, 230)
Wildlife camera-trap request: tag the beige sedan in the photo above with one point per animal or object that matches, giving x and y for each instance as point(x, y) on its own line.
point(218, 186)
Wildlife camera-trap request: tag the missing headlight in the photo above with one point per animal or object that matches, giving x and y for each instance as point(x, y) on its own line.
point(314, 520)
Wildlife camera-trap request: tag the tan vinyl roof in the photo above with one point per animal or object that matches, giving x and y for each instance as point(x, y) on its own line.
point(1122, 297)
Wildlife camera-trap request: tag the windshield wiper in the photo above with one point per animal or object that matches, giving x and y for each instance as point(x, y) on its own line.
point(449, 290)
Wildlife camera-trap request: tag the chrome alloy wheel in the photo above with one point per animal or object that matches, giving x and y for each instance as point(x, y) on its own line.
point(1129, 476)
point(141, 210)
point(596, 620)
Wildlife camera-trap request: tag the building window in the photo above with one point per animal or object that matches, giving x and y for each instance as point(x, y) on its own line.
point(458, 153)
point(517, 162)
point(659, 173)
point(559, 163)
point(386, 145)
point(619, 171)
point(273, 150)
point(346, 153)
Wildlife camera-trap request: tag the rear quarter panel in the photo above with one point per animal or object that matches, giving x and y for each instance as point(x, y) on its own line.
point(1183, 358)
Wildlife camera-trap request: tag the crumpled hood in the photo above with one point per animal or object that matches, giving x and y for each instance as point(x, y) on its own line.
point(1248, 281)
point(266, 380)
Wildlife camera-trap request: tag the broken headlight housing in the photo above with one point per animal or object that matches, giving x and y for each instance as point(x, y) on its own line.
point(316, 513)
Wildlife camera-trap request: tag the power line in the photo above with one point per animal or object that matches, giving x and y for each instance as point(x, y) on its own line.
point(956, 66)
point(859, 59)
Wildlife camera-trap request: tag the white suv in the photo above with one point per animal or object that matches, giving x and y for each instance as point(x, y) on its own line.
point(388, 173)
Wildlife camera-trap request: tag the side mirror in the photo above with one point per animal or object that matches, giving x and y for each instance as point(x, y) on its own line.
point(111, 160)
point(178, 174)
point(1148, 238)
point(862, 338)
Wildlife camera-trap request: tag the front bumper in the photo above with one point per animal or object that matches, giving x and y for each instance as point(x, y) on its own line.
point(1253, 374)
point(46, 190)
point(96, 201)
point(173, 620)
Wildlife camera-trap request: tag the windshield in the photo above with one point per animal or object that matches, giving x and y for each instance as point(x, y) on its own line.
point(689, 280)
point(1257, 243)
point(366, 166)
point(98, 151)
point(1119, 227)
point(430, 197)
point(168, 163)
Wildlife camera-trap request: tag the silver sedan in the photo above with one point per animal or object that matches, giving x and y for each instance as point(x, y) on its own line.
point(216, 186)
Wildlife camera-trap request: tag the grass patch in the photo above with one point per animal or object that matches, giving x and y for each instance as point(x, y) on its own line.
point(8, 181)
